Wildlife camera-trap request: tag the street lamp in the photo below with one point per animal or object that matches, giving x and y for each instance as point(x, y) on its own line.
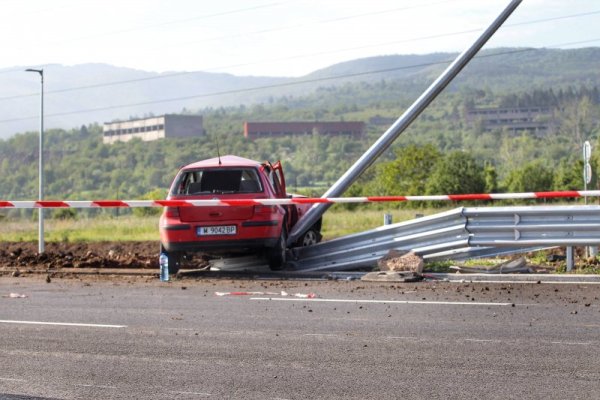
point(41, 162)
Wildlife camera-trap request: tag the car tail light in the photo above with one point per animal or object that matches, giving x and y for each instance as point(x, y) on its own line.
point(264, 209)
point(172, 212)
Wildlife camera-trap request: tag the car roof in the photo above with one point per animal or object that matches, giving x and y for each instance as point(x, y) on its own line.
point(224, 161)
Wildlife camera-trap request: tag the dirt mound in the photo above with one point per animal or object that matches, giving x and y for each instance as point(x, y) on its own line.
point(80, 255)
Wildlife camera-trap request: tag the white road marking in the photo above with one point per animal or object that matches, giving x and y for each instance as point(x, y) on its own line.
point(194, 393)
point(403, 337)
point(321, 334)
point(573, 343)
point(96, 386)
point(483, 340)
point(515, 282)
point(450, 303)
point(62, 324)
point(12, 380)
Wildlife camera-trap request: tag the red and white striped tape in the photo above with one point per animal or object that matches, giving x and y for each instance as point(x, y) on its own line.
point(293, 200)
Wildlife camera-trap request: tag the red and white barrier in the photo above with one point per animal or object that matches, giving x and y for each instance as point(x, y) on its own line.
point(293, 200)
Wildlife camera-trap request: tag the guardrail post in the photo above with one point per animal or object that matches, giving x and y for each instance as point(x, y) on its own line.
point(570, 259)
point(387, 219)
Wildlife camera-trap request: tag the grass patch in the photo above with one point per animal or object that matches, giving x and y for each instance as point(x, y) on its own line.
point(336, 222)
point(100, 229)
point(442, 267)
point(339, 222)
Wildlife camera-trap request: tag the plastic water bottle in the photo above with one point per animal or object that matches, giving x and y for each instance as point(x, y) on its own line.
point(163, 260)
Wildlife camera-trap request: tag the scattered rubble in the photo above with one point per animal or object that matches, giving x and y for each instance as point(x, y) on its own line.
point(15, 296)
point(516, 266)
point(392, 276)
point(396, 260)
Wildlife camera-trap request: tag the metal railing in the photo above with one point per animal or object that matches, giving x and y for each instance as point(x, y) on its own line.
point(532, 226)
point(458, 234)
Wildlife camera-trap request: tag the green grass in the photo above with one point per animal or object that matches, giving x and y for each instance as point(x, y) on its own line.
point(336, 222)
point(339, 222)
point(99, 229)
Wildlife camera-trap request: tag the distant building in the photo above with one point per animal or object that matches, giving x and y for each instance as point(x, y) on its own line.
point(539, 120)
point(254, 130)
point(166, 126)
point(379, 120)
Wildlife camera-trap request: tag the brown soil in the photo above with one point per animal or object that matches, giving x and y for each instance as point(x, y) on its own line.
point(80, 255)
point(114, 255)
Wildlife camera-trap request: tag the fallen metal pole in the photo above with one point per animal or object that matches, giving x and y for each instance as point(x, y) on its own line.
point(313, 215)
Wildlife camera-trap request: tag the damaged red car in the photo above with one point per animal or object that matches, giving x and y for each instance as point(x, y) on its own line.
point(231, 229)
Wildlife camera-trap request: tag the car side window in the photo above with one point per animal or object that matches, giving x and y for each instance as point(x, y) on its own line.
point(274, 180)
point(250, 182)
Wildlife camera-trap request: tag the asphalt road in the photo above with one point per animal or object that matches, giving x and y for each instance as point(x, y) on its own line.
point(72, 339)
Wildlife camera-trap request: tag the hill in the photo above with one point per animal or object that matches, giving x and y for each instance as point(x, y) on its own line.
point(95, 93)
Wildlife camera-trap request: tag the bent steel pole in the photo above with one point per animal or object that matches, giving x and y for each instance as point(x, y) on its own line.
point(399, 126)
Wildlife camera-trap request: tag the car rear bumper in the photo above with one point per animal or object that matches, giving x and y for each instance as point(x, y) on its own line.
point(250, 234)
point(212, 245)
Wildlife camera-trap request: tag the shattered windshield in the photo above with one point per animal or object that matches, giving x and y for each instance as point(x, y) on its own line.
point(218, 181)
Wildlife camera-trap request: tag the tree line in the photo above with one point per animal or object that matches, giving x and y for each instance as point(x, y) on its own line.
point(438, 154)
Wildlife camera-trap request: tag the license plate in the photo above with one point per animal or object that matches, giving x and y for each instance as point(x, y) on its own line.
point(216, 230)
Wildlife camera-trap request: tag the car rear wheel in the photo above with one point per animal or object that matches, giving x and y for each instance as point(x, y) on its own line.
point(276, 254)
point(309, 238)
point(174, 259)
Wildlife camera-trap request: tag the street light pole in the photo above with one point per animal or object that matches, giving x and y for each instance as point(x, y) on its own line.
point(41, 162)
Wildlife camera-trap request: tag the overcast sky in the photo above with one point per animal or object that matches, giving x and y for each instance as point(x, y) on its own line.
point(271, 37)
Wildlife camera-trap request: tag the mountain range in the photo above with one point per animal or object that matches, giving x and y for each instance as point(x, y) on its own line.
point(96, 93)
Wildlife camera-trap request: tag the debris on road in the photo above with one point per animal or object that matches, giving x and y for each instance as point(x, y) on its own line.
point(401, 261)
point(15, 296)
point(392, 276)
point(516, 266)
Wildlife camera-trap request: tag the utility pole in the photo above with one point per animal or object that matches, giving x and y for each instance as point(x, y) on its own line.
point(41, 162)
point(399, 126)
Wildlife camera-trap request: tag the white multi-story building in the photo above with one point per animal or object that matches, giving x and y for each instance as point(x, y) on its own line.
point(538, 120)
point(153, 128)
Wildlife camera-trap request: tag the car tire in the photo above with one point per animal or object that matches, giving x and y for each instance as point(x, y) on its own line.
point(174, 259)
point(276, 254)
point(312, 236)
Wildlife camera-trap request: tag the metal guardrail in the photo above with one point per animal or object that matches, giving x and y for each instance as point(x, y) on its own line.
point(458, 234)
point(533, 226)
point(442, 232)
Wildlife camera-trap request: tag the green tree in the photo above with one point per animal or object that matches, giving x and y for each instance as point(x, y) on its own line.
point(491, 178)
point(568, 175)
point(456, 173)
point(409, 172)
point(534, 176)
point(580, 120)
point(514, 152)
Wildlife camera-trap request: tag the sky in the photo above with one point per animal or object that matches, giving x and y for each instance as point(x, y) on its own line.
point(270, 37)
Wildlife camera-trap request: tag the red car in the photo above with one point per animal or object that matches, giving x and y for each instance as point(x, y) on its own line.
point(230, 229)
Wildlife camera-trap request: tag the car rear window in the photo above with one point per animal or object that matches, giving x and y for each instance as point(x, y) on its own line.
point(218, 181)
